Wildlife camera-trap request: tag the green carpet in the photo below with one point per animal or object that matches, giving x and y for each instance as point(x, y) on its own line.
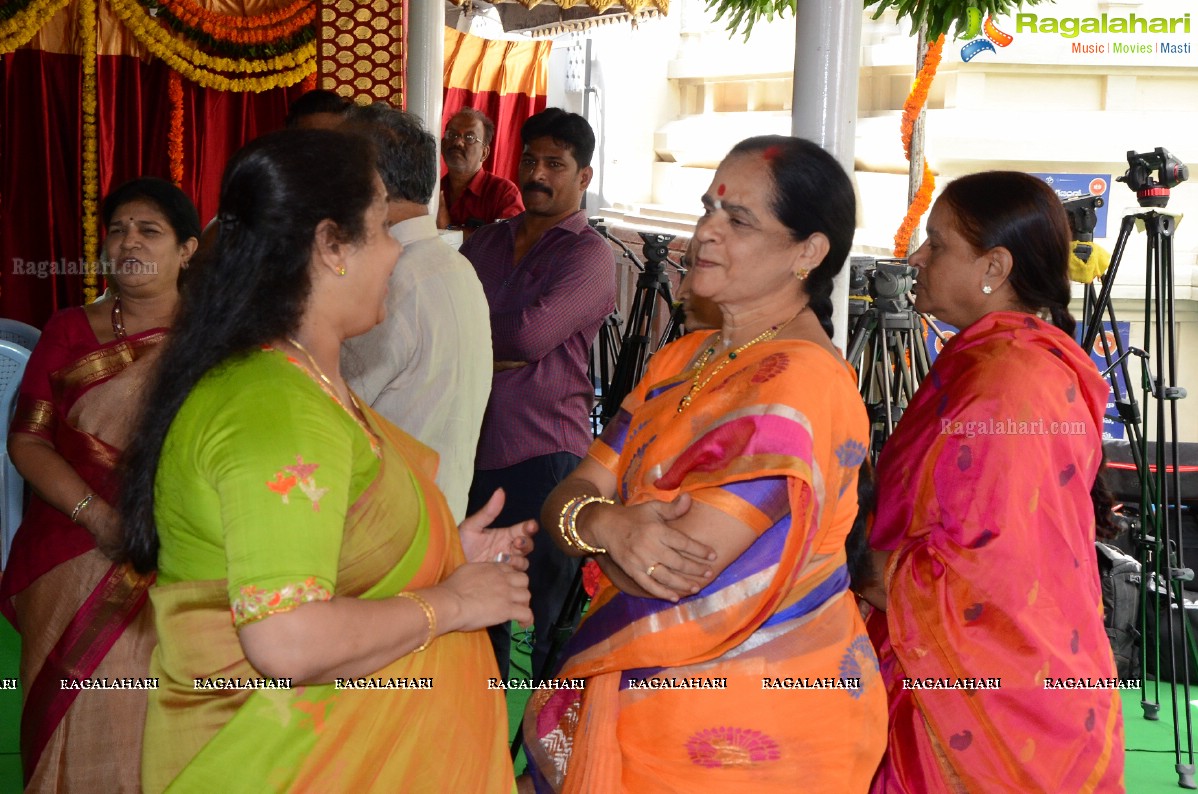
point(10, 710)
point(1150, 760)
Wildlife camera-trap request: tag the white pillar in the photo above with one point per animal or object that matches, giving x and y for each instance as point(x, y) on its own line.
point(827, 62)
point(426, 58)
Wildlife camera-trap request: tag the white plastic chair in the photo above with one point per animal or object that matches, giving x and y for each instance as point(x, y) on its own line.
point(13, 359)
point(22, 334)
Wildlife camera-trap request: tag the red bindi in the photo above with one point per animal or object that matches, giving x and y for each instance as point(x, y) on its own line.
point(720, 190)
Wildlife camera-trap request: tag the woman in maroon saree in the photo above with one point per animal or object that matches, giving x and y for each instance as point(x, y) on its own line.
point(80, 615)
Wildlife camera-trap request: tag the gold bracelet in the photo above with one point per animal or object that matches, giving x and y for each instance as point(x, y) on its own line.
point(84, 502)
point(428, 613)
point(568, 525)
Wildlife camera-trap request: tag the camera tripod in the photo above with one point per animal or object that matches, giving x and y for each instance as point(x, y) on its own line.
point(1158, 531)
point(886, 346)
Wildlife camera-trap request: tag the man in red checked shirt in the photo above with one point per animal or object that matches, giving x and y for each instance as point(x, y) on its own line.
point(550, 281)
point(470, 196)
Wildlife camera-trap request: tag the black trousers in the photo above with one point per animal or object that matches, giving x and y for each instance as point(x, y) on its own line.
point(550, 572)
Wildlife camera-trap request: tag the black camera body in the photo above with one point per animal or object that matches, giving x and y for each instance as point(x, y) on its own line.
point(887, 282)
point(1141, 166)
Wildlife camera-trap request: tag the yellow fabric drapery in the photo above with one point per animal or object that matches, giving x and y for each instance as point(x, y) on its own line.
point(475, 64)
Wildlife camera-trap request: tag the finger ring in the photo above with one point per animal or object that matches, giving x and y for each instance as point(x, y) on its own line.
point(652, 568)
point(502, 557)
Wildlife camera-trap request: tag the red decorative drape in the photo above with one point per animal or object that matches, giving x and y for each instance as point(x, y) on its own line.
point(40, 205)
point(504, 79)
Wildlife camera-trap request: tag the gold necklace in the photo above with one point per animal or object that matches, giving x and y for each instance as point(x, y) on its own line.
point(697, 385)
point(291, 340)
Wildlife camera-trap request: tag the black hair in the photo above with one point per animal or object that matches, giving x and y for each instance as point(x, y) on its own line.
point(318, 100)
point(1021, 213)
point(812, 193)
point(253, 288)
point(171, 201)
point(566, 129)
point(407, 153)
point(481, 118)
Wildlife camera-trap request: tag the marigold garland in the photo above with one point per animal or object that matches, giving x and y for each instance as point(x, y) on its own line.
point(174, 146)
point(243, 45)
point(211, 22)
point(227, 28)
point(201, 68)
point(911, 110)
point(20, 24)
point(309, 82)
point(88, 13)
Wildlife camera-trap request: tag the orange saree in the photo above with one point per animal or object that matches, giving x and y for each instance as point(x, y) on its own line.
point(80, 616)
point(765, 680)
point(984, 500)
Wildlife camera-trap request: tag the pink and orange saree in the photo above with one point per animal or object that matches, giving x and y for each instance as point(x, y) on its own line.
point(984, 500)
point(765, 680)
point(80, 615)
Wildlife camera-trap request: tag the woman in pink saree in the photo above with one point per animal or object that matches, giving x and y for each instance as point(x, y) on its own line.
point(80, 614)
point(984, 533)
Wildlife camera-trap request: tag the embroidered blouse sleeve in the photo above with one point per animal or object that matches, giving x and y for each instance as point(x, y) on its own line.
point(280, 458)
point(35, 412)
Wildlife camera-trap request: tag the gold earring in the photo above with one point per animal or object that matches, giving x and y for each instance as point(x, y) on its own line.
point(341, 270)
point(802, 274)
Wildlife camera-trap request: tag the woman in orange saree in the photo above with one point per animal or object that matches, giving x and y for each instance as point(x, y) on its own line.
point(297, 535)
point(80, 614)
point(985, 524)
point(724, 651)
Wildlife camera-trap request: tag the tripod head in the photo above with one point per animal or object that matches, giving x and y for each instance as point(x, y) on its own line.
point(1083, 216)
point(656, 250)
point(1151, 192)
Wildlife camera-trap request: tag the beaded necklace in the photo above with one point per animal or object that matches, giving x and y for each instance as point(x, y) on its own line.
point(697, 385)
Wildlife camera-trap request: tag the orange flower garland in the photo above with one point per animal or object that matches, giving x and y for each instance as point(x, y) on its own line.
point(205, 70)
point(911, 110)
point(212, 23)
point(88, 13)
point(175, 137)
point(227, 28)
point(309, 82)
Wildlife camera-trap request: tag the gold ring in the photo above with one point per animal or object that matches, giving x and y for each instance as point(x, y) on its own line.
point(652, 568)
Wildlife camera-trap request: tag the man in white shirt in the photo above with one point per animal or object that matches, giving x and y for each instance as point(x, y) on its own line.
point(427, 367)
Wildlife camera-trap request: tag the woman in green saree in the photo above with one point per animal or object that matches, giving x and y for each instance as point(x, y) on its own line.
point(318, 614)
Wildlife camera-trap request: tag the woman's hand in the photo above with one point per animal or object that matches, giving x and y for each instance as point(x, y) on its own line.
point(486, 594)
point(104, 523)
point(483, 543)
point(661, 560)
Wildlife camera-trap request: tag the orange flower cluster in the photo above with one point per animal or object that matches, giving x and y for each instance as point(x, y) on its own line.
point(911, 110)
point(214, 24)
point(261, 29)
point(174, 146)
point(309, 82)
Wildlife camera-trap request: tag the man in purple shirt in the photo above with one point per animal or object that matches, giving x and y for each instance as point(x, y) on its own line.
point(550, 281)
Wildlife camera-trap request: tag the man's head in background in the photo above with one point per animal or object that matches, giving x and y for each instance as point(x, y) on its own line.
point(467, 142)
point(407, 153)
point(319, 109)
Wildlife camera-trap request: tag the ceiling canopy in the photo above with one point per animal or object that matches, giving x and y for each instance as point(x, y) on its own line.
point(528, 14)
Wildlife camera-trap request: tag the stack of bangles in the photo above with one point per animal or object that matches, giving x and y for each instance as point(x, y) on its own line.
point(429, 615)
point(568, 527)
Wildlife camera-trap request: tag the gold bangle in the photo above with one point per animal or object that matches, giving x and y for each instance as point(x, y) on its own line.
point(428, 613)
point(84, 502)
point(568, 525)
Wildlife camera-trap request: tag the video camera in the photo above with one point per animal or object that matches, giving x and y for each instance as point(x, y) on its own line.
point(885, 282)
point(1152, 192)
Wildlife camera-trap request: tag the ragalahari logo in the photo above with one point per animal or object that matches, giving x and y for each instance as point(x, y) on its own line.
point(991, 36)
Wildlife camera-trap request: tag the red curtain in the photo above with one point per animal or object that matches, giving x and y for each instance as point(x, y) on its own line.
point(40, 173)
point(504, 79)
